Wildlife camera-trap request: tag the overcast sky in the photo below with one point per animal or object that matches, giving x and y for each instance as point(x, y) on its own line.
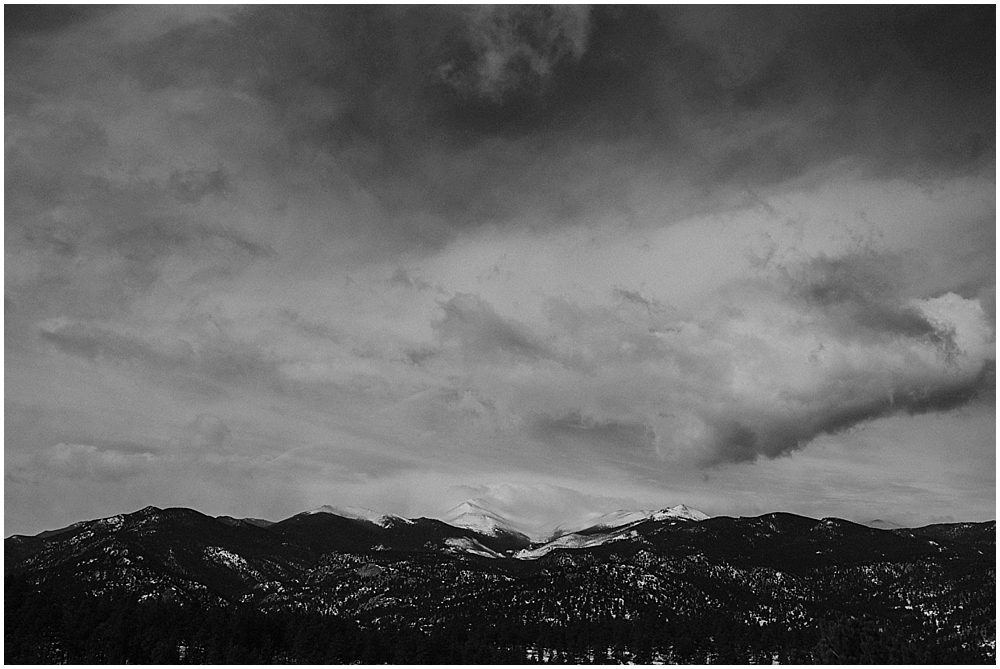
point(262, 259)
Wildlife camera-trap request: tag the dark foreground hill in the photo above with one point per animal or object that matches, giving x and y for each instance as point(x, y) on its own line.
point(174, 585)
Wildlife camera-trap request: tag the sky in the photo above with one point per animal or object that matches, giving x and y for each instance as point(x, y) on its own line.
point(557, 259)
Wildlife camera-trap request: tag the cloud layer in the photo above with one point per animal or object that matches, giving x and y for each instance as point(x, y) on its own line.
point(264, 258)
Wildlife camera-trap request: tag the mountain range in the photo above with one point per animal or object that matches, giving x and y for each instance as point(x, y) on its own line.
point(469, 527)
point(669, 585)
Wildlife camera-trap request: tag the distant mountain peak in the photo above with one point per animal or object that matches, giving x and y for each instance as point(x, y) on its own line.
point(475, 515)
point(473, 506)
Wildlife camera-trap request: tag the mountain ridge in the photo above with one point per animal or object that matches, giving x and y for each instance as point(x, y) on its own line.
point(475, 515)
point(776, 577)
point(363, 529)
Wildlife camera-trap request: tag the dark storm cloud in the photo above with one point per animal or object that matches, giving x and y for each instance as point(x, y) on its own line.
point(33, 20)
point(482, 114)
point(896, 87)
point(836, 411)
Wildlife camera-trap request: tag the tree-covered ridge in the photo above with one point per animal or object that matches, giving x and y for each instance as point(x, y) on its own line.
point(177, 586)
point(113, 630)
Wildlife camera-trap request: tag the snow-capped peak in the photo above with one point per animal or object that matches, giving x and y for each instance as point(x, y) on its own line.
point(475, 516)
point(478, 516)
point(359, 513)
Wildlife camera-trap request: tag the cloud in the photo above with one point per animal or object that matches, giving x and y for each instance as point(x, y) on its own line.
point(192, 185)
point(780, 430)
point(208, 433)
point(859, 293)
point(635, 297)
point(570, 112)
point(21, 21)
point(85, 461)
point(515, 50)
point(614, 438)
point(209, 356)
point(404, 277)
point(498, 238)
point(93, 249)
point(742, 41)
point(481, 332)
point(812, 347)
point(92, 341)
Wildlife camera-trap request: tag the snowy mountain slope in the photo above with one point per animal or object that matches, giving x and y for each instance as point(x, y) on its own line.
point(573, 541)
point(457, 545)
point(607, 520)
point(476, 516)
point(599, 530)
point(623, 518)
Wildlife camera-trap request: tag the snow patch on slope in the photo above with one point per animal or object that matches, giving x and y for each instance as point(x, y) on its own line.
point(573, 541)
point(468, 545)
point(113, 523)
point(226, 558)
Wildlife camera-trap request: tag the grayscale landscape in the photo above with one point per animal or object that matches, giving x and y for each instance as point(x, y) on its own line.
point(500, 334)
